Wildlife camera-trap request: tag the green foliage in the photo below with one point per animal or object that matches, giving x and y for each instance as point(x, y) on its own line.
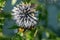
point(27, 1)
point(14, 27)
point(2, 3)
point(5, 15)
point(59, 17)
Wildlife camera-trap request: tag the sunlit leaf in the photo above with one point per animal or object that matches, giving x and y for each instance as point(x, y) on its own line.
point(13, 2)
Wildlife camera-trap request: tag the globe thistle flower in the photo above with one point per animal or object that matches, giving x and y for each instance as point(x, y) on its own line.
point(25, 15)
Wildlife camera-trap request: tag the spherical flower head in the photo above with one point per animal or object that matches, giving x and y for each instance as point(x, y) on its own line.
point(25, 15)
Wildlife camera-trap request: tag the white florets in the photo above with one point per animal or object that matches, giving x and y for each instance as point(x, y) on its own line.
point(24, 15)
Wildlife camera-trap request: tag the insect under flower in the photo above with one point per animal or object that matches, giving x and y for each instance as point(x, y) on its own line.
point(25, 15)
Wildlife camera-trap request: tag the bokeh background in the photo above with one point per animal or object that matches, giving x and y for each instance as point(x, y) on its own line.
point(49, 20)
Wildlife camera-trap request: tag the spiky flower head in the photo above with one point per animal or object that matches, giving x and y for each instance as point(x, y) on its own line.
point(25, 15)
